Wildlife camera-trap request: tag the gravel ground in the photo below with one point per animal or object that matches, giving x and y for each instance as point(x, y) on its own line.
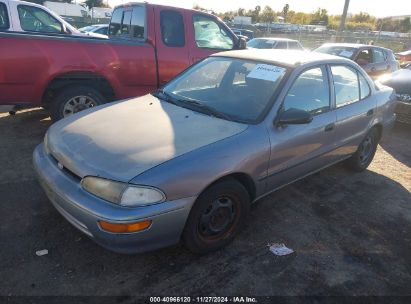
point(350, 233)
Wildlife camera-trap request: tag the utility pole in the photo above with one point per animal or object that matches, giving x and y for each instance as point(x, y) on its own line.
point(343, 18)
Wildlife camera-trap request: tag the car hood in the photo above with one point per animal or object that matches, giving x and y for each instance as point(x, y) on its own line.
point(124, 139)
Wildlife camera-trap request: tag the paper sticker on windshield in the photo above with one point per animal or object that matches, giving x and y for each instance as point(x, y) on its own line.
point(346, 54)
point(266, 72)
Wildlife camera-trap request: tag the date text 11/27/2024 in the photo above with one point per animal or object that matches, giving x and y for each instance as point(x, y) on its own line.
point(239, 299)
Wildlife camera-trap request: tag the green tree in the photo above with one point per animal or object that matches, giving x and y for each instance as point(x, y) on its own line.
point(95, 3)
point(405, 25)
point(320, 17)
point(284, 12)
point(267, 16)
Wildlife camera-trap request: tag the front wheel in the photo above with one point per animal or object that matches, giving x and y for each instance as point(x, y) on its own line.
point(73, 99)
point(216, 217)
point(362, 158)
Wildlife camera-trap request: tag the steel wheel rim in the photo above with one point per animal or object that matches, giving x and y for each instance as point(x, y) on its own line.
point(218, 218)
point(77, 104)
point(366, 149)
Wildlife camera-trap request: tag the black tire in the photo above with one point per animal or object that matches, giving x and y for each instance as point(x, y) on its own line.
point(364, 155)
point(67, 95)
point(216, 217)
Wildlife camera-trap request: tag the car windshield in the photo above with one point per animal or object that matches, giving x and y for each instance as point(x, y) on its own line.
point(87, 28)
point(229, 88)
point(341, 51)
point(261, 43)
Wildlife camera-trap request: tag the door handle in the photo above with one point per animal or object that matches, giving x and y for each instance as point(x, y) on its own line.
point(370, 112)
point(329, 127)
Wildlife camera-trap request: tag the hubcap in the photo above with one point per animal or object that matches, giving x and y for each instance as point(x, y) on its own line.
point(366, 149)
point(217, 218)
point(77, 104)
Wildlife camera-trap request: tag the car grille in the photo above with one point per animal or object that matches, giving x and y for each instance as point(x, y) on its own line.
point(64, 169)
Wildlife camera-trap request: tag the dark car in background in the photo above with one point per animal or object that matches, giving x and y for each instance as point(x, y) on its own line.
point(400, 81)
point(374, 60)
point(274, 43)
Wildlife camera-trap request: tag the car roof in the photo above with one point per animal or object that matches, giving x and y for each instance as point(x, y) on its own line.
point(290, 58)
point(275, 38)
point(354, 45)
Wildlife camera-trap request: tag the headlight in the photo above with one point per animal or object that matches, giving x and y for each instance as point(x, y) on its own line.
point(122, 193)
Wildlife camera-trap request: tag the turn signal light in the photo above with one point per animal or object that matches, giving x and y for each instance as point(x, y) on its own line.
point(124, 228)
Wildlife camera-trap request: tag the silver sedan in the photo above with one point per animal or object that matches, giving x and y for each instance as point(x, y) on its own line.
point(187, 161)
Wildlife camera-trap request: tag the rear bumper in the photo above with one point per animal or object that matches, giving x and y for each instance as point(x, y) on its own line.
point(403, 111)
point(84, 210)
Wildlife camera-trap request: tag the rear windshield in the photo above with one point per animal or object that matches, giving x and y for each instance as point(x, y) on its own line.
point(128, 22)
point(4, 18)
point(341, 51)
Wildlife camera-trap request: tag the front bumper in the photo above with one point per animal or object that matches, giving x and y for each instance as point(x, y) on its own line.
point(83, 210)
point(403, 111)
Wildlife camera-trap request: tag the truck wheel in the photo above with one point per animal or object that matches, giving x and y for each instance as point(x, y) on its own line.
point(216, 217)
point(362, 158)
point(74, 99)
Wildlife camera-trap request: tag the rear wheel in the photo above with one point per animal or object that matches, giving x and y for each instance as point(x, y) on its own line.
point(74, 99)
point(365, 152)
point(216, 217)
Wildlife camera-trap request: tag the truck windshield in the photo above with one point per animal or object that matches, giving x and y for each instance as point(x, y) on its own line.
point(231, 88)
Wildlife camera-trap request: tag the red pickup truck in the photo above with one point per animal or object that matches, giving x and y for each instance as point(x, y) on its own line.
point(147, 46)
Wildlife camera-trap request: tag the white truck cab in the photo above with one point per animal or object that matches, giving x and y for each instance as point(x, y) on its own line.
point(21, 16)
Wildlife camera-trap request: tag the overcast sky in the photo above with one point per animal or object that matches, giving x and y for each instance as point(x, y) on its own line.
point(378, 8)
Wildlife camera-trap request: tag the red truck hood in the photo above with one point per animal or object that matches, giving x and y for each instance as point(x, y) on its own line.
point(122, 140)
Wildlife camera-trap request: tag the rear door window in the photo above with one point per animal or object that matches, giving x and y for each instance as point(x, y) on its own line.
point(294, 45)
point(4, 17)
point(35, 19)
point(365, 90)
point(172, 28)
point(310, 92)
point(209, 34)
point(281, 45)
point(346, 86)
point(378, 55)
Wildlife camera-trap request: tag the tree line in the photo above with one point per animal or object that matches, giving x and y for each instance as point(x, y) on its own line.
point(360, 21)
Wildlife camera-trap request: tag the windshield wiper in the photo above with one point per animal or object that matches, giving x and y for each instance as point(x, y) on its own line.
point(160, 93)
point(207, 109)
point(191, 104)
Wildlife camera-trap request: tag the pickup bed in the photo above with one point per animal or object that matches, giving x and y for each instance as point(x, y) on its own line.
point(147, 46)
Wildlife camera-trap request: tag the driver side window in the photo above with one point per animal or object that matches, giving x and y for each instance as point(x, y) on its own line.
point(34, 19)
point(209, 34)
point(310, 92)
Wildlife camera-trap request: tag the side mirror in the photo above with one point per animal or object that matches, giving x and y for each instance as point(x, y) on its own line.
point(241, 44)
point(294, 117)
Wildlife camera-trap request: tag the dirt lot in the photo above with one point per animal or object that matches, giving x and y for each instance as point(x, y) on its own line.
point(351, 234)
